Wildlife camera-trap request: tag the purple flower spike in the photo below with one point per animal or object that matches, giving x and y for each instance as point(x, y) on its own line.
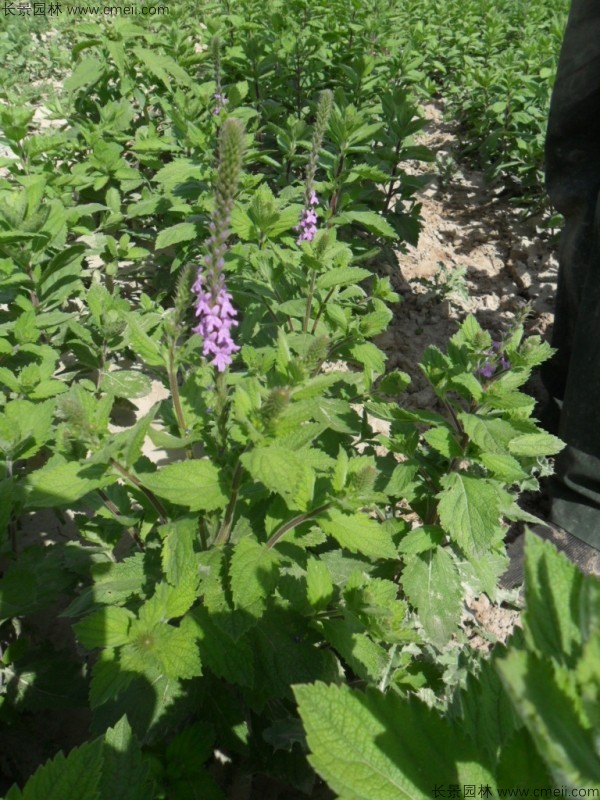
point(487, 369)
point(216, 314)
point(307, 226)
point(217, 318)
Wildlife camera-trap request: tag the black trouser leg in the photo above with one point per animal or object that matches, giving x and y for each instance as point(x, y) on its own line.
point(572, 377)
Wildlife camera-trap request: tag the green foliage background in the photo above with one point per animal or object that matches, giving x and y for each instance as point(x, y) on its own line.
point(284, 542)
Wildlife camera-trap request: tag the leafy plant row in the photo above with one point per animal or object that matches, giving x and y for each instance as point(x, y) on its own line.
point(204, 216)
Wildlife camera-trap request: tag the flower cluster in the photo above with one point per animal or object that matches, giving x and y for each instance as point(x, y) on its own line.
point(307, 227)
point(490, 365)
point(308, 223)
point(220, 103)
point(217, 318)
point(216, 315)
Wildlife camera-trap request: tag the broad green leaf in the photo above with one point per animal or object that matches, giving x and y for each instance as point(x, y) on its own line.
point(179, 562)
point(74, 777)
point(536, 444)
point(432, 584)
point(342, 276)
point(469, 512)
point(358, 534)
point(364, 657)
point(182, 232)
point(487, 713)
point(490, 434)
point(194, 484)
point(541, 696)
point(381, 747)
point(281, 471)
point(86, 73)
point(443, 440)
point(61, 484)
point(126, 383)
point(163, 649)
point(108, 679)
point(372, 221)
point(125, 776)
point(228, 659)
point(107, 627)
point(553, 595)
point(253, 573)
point(503, 467)
point(318, 584)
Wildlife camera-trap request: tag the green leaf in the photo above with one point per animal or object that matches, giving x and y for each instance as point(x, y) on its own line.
point(358, 534)
point(86, 73)
point(158, 648)
point(76, 777)
point(182, 232)
point(381, 747)
point(126, 383)
point(107, 627)
point(319, 584)
point(229, 659)
point(124, 773)
point(469, 511)
point(553, 595)
point(57, 485)
point(536, 444)
point(194, 484)
point(432, 584)
point(342, 276)
point(253, 572)
point(364, 657)
point(487, 712)
point(540, 694)
point(108, 679)
point(370, 220)
point(443, 440)
point(503, 467)
point(179, 562)
point(281, 471)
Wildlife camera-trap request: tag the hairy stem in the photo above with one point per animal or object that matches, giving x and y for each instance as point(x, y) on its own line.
point(150, 496)
point(293, 523)
point(222, 536)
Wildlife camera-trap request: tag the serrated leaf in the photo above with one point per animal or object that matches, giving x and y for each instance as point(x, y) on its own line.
point(342, 276)
point(108, 679)
point(432, 584)
point(382, 747)
point(443, 440)
point(469, 511)
point(56, 485)
point(178, 559)
point(358, 534)
point(553, 595)
point(124, 773)
point(538, 690)
point(536, 444)
point(364, 657)
point(126, 383)
point(319, 585)
point(229, 659)
point(372, 221)
point(503, 467)
point(75, 777)
point(281, 471)
point(194, 484)
point(182, 232)
point(253, 573)
point(107, 627)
